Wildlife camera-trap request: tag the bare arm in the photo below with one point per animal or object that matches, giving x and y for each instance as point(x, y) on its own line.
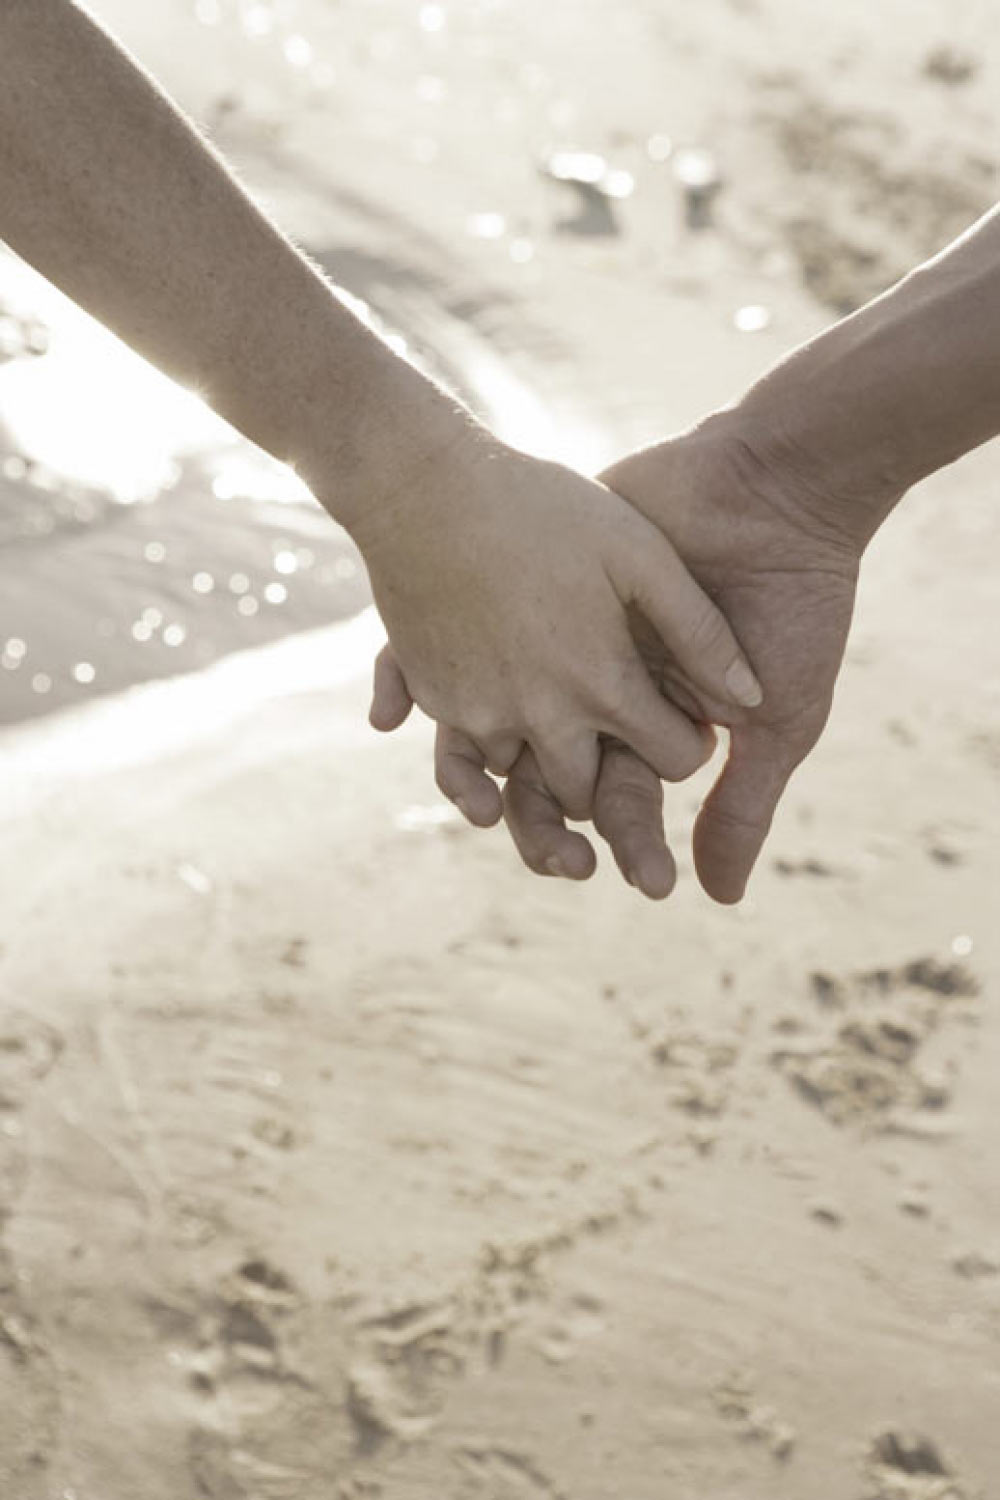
point(817, 453)
point(771, 503)
point(904, 386)
point(109, 191)
point(112, 194)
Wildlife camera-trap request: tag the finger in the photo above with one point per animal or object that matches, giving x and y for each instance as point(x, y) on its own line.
point(695, 631)
point(660, 733)
point(732, 825)
point(391, 701)
point(568, 764)
point(501, 751)
point(459, 771)
point(628, 813)
point(538, 826)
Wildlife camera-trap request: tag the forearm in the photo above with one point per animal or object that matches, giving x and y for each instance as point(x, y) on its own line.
point(899, 389)
point(109, 191)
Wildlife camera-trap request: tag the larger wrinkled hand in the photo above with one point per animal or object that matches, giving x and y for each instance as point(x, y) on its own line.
point(505, 593)
point(786, 582)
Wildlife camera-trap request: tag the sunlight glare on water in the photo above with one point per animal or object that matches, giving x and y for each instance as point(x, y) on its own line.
point(90, 409)
point(163, 718)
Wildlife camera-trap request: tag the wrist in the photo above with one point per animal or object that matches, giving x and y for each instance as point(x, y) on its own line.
point(358, 422)
point(841, 476)
point(395, 451)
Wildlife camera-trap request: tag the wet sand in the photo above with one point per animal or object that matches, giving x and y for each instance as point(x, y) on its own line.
point(340, 1158)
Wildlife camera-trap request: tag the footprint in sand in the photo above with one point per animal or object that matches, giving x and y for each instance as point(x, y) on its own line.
point(237, 1374)
point(698, 1069)
point(570, 1325)
point(238, 1350)
point(406, 1359)
point(265, 1390)
point(754, 1421)
point(283, 1397)
point(867, 1069)
point(909, 1466)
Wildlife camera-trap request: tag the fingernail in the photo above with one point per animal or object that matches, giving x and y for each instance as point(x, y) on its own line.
point(743, 685)
point(554, 865)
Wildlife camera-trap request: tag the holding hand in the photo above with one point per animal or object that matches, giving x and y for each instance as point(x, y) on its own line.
point(504, 591)
point(771, 504)
point(787, 584)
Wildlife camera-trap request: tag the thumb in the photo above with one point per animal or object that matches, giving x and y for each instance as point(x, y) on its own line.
point(736, 816)
point(391, 700)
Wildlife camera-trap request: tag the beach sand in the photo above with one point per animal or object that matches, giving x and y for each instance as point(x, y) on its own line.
point(341, 1158)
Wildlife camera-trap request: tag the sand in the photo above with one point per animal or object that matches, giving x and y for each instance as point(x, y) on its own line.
point(340, 1158)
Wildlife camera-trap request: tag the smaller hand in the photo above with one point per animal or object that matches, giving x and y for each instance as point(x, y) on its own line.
point(505, 594)
point(628, 803)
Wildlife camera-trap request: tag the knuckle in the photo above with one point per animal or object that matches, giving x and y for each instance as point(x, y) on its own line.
point(679, 770)
point(568, 788)
point(546, 715)
point(481, 725)
point(745, 825)
point(576, 796)
point(613, 693)
point(568, 761)
point(624, 807)
point(685, 760)
point(531, 852)
point(501, 753)
point(707, 631)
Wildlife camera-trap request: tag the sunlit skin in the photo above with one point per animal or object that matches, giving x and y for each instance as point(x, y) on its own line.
point(113, 195)
point(530, 667)
point(789, 591)
point(771, 503)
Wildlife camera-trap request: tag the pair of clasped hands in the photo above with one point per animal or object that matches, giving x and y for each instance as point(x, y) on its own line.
point(577, 640)
point(586, 636)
